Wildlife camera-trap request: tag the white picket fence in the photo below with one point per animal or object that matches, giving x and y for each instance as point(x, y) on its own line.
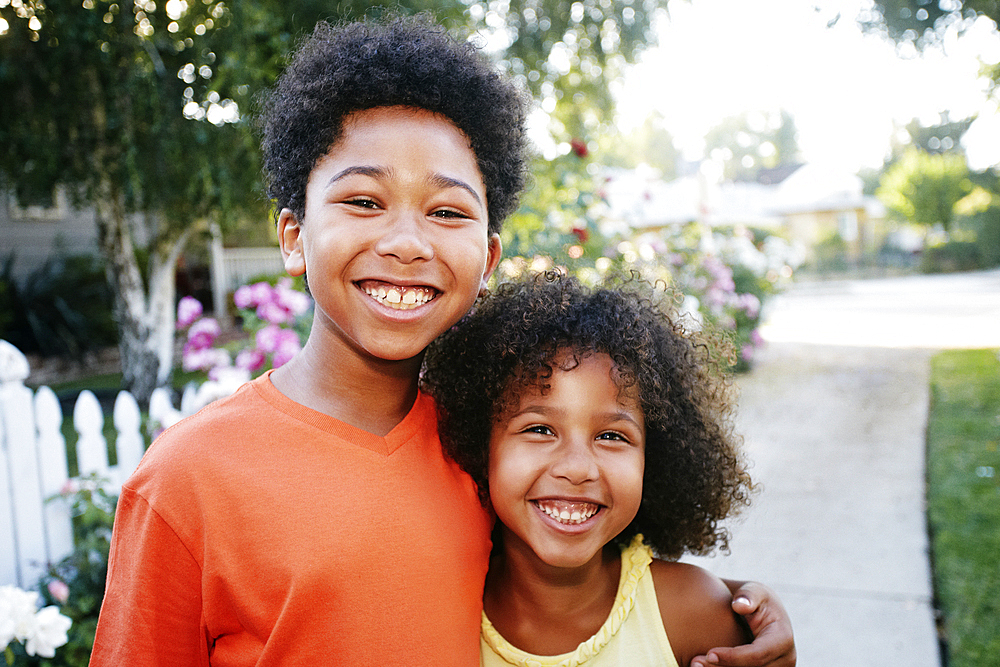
point(35, 521)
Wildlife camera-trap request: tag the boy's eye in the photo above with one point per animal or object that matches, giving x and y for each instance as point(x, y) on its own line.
point(611, 435)
point(362, 202)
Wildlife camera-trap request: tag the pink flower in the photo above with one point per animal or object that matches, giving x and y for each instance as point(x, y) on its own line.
point(288, 347)
point(268, 338)
point(750, 304)
point(747, 352)
point(261, 292)
point(203, 333)
point(59, 590)
point(188, 310)
point(292, 300)
point(243, 297)
point(271, 311)
point(195, 359)
point(251, 360)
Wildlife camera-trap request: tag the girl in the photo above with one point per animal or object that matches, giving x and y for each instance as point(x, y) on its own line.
point(599, 430)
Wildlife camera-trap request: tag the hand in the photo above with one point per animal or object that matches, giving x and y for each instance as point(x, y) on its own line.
point(773, 644)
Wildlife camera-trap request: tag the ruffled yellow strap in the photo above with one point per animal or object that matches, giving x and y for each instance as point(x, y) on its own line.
point(635, 561)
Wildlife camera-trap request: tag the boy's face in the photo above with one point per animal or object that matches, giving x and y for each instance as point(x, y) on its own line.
point(566, 465)
point(395, 236)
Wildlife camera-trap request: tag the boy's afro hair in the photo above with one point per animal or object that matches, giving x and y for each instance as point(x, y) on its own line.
point(406, 61)
point(694, 476)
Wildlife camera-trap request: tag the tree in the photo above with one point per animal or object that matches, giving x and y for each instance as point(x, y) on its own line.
point(138, 108)
point(926, 189)
point(922, 23)
point(752, 141)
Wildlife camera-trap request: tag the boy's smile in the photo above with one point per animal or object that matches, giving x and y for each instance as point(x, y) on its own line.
point(565, 472)
point(394, 241)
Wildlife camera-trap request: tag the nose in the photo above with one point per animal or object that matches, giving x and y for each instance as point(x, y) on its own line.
point(405, 237)
point(576, 461)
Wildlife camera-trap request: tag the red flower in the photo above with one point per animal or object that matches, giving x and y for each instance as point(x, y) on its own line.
point(579, 147)
point(581, 233)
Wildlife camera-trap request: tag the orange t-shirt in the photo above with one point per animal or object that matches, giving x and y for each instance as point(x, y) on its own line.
point(260, 532)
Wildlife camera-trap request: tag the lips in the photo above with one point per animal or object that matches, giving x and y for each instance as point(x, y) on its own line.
point(569, 513)
point(398, 297)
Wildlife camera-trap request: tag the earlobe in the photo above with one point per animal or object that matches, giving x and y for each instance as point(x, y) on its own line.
point(493, 253)
point(290, 240)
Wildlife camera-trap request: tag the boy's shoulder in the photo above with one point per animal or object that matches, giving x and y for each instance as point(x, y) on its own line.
point(208, 433)
point(696, 608)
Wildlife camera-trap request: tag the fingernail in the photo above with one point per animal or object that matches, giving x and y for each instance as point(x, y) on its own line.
point(743, 600)
point(712, 657)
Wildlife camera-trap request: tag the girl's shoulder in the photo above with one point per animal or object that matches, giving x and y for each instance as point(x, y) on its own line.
point(696, 609)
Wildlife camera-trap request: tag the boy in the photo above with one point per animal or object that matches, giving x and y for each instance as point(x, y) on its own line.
point(312, 517)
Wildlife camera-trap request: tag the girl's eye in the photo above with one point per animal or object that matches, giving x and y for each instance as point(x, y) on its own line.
point(539, 429)
point(449, 214)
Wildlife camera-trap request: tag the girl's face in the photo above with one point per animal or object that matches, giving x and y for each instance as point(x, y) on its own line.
point(566, 465)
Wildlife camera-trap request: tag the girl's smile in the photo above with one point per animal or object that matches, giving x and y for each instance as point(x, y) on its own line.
point(566, 464)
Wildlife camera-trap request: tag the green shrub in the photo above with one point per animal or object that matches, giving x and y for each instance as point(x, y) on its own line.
point(63, 308)
point(830, 254)
point(951, 256)
point(987, 225)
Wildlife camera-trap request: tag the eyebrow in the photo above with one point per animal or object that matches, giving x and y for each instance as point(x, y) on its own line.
point(440, 180)
point(621, 415)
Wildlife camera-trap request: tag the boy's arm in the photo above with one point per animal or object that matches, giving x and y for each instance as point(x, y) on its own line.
point(773, 644)
point(151, 613)
point(696, 608)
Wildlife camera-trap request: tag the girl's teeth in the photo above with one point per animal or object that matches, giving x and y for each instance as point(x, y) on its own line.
point(577, 515)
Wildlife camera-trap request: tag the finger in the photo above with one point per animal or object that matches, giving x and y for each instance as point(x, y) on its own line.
point(747, 656)
point(744, 606)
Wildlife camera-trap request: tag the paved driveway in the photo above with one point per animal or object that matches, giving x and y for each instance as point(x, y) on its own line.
point(834, 415)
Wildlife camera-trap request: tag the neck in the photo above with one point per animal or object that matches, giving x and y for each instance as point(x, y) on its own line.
point(548, 610)
point(366, 392)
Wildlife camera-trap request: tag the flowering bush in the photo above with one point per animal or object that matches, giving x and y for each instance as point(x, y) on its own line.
point(273, 317)
point(276, 319)
point(76, 584)
point(725, 275)
point(41, 630)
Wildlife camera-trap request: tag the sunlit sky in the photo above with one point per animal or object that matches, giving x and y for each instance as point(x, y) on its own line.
point(718, 58)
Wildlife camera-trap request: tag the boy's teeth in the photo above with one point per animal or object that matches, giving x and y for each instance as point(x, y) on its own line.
point(403, 298)
point(568, 513)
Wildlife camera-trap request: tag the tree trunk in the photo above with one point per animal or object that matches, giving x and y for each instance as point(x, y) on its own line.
point(145, 320)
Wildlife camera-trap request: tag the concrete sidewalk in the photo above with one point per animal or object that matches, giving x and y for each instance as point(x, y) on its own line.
point(834, 415)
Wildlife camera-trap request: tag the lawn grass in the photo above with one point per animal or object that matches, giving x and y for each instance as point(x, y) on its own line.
point(963, 495)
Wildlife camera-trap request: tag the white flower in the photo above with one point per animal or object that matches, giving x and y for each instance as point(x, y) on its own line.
point(49, 632)
point(41, 631)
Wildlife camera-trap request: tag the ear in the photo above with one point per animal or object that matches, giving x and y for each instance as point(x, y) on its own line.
point(291, 242)
point(493, 253)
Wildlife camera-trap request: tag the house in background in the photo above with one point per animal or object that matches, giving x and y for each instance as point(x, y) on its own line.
point(806, 204)
point(33, 234)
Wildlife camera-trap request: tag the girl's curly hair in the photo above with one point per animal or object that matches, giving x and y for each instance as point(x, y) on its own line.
point(695, 474)
point(407, 61)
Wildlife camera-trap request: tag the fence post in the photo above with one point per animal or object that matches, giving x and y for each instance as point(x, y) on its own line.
point(129, 444)
point(91, 448)
point(54, 474)
point(22, 484)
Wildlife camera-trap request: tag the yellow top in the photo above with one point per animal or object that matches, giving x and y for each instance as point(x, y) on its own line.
point(632, 635)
